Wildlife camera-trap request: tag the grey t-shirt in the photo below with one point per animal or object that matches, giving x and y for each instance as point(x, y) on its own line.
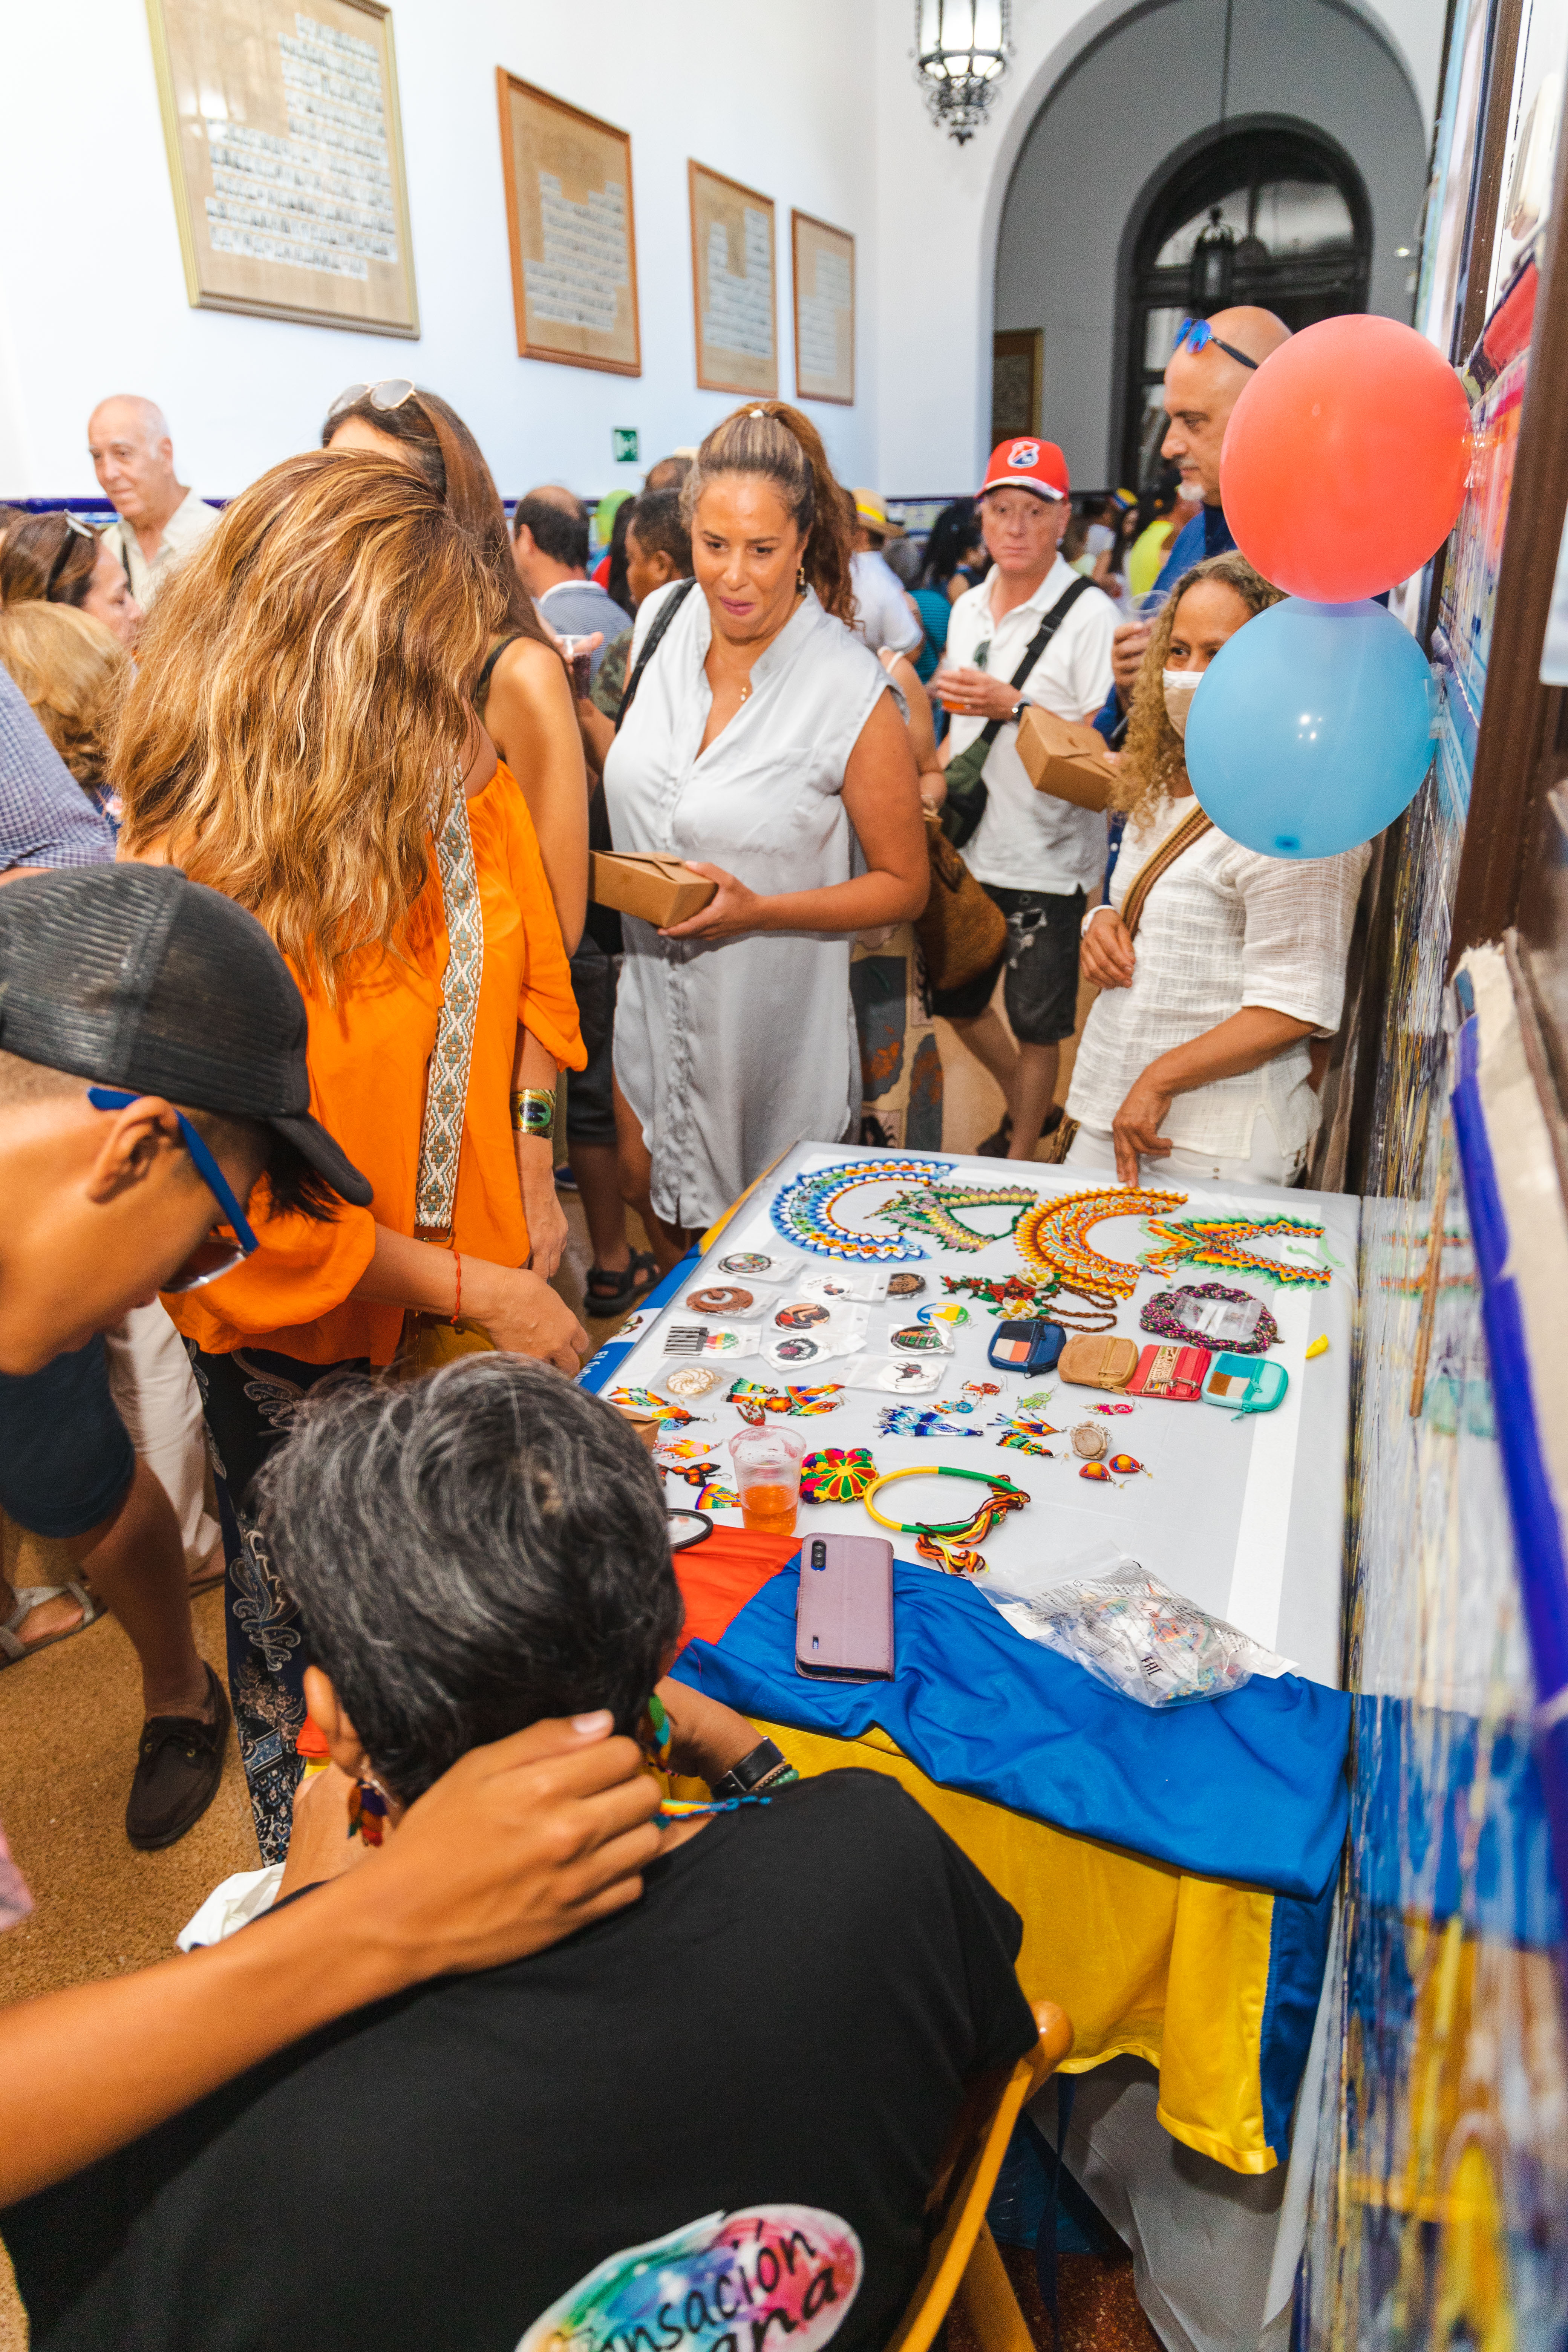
point(576, 608)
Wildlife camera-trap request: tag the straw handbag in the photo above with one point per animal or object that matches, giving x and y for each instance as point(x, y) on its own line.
point(963, 930)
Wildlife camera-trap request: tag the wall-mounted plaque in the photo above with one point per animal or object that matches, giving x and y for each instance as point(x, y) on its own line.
point(574, 243)
point(823, 273)
point(287, 159)
point(732, 280)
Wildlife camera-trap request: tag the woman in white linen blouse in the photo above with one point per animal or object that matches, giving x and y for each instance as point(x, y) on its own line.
point(763, 747)
point(1195, 1059)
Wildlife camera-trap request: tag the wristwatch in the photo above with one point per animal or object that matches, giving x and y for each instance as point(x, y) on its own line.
point(1017, 711)
point(766, 1766)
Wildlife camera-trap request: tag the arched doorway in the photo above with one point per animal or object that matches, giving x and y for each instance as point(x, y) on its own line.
point(1273, 213)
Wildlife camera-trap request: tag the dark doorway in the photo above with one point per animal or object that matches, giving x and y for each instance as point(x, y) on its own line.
point(1284, 212)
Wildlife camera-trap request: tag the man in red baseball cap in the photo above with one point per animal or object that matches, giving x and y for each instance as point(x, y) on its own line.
point(1034, 631)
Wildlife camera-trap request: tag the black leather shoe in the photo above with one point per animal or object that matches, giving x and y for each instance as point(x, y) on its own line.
point(178, 1767)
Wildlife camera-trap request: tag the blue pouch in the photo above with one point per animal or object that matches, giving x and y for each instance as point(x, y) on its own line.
point(1029, 1347)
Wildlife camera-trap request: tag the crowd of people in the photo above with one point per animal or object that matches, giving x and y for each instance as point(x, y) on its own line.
point(297, 807)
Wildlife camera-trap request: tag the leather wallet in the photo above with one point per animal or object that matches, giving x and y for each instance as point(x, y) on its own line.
point(1098, 1359)
point(1170, 1371)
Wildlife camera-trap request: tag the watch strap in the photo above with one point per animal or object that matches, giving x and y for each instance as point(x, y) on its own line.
point(764, 1766)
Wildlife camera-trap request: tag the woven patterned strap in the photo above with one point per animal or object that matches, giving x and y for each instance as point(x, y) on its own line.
point(447, 1080)
point(1193, 827)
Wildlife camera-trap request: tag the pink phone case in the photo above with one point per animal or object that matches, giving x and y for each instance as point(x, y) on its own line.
point(844, 1617)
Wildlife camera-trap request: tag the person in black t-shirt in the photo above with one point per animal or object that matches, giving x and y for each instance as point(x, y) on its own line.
point(706, 2123)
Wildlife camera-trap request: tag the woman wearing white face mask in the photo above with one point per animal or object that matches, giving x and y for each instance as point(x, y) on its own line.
point(1216, 967)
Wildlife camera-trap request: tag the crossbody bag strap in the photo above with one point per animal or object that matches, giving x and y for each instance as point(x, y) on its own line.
point(447, 1077)
point(1180, 839)
point(651, 644)
point(1035, 647)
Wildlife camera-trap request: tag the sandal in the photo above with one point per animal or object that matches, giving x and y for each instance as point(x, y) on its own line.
point(608, 1293)
point(13, 1649)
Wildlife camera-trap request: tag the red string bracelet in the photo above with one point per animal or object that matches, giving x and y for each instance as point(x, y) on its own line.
point(457, 1301)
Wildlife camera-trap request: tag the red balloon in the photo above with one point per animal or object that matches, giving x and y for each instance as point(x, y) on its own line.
point(1345, 461)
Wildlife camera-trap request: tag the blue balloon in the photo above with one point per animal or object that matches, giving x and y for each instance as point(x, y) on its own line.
point(1311, 730)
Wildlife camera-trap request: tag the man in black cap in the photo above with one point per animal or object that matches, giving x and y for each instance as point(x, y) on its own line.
point(175, 1006)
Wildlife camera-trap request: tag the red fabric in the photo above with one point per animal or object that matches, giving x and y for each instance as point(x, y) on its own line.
point(718, 1575)
point(312, 1744)
point(601, 571)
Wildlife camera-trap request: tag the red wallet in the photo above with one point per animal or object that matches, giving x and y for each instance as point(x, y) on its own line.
point(1175, 1374)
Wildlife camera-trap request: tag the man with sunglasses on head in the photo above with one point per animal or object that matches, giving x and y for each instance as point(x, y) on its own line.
point(152, 1071)
point(1213, 361)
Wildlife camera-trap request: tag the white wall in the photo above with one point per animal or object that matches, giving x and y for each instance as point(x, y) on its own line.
point(1132, 101)
point(941, 209)
point(93, 295)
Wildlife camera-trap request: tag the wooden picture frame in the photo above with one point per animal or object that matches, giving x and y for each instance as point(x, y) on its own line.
point(822, 278)
point(1017, 382)
point(285, 158)
point(572, 230)
point(724, 208)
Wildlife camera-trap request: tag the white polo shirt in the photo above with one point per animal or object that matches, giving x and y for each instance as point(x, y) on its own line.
point(1029, 840)
point(190, 523)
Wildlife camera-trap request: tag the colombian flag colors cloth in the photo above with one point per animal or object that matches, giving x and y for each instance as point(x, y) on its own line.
point(1119, 1832)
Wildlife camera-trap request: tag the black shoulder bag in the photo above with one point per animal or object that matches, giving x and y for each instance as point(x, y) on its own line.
point(966, 792)
point(651, 644)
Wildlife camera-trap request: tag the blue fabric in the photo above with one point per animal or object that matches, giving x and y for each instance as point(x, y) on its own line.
point(1208, 533)
point(935, 612)
point(1249, 1787)
point(1298, 1953)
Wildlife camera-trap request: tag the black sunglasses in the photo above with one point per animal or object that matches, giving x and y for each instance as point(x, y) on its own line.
point(74, 529)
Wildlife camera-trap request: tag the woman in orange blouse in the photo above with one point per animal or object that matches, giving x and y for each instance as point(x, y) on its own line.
point(300, 735)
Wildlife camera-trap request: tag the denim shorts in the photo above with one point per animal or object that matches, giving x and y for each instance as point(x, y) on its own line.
point(1040, 991)
point(65, 1458)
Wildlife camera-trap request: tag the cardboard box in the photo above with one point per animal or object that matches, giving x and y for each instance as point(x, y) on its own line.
point(1067, 761)
point(646, 1425)
point(662, 890)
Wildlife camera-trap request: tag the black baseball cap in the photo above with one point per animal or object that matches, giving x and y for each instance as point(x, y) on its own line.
point(137, 977)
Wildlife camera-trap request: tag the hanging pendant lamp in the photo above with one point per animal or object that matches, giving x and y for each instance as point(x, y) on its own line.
point(961, 53)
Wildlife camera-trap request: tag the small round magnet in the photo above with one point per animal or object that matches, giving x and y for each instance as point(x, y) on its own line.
point(745, 1262)
point(718, 1300)
point(905, 1286)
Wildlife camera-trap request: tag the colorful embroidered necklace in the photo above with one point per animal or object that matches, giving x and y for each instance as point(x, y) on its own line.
point(931, 1211)
point(1221, 1242)
point(1051, 1236)
point(805, 1211)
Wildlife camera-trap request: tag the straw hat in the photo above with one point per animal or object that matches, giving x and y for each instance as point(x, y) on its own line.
point(871, 514)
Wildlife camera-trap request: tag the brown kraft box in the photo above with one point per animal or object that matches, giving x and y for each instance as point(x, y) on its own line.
point(662, 890)
point(1064, 759)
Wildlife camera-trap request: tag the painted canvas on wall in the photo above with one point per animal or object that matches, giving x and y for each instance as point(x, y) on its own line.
point(574, 239)
point(823, 271)
point(732, 284)
point(287, 160)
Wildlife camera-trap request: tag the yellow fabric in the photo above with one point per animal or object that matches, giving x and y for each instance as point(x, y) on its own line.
point(1143, 1958)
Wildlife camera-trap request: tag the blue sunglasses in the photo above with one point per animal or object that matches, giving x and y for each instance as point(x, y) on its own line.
point(212, 1257)
point(1195, 335)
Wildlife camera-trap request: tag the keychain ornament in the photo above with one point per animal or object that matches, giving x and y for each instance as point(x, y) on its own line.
point(752, 1400)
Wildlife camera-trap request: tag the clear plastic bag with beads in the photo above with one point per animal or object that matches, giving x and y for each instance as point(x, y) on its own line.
point(1132, 1633)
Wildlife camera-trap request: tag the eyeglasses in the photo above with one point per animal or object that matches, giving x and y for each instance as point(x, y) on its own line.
point(214, 1255)
point(1195, 335)
point(390, 392)
point(74, 525)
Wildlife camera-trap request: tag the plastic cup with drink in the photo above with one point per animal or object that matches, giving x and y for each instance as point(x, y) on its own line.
point(767, 1477)
point(576, 652)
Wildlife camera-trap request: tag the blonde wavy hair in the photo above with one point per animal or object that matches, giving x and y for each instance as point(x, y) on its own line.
point(301, 712)
point(70, 668)
point(1152, 760)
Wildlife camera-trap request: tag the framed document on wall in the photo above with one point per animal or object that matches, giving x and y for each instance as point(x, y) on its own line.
point(574, 244)
point(286, 153)
point(824, 274)
point(732, 284)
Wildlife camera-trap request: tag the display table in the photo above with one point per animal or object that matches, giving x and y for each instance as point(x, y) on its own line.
point(1182, 1968)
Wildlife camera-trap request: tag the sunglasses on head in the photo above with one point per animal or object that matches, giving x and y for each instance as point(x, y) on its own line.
point(74, 529)
point(390, 392)
point(1195, 335)
point(216, 1254)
